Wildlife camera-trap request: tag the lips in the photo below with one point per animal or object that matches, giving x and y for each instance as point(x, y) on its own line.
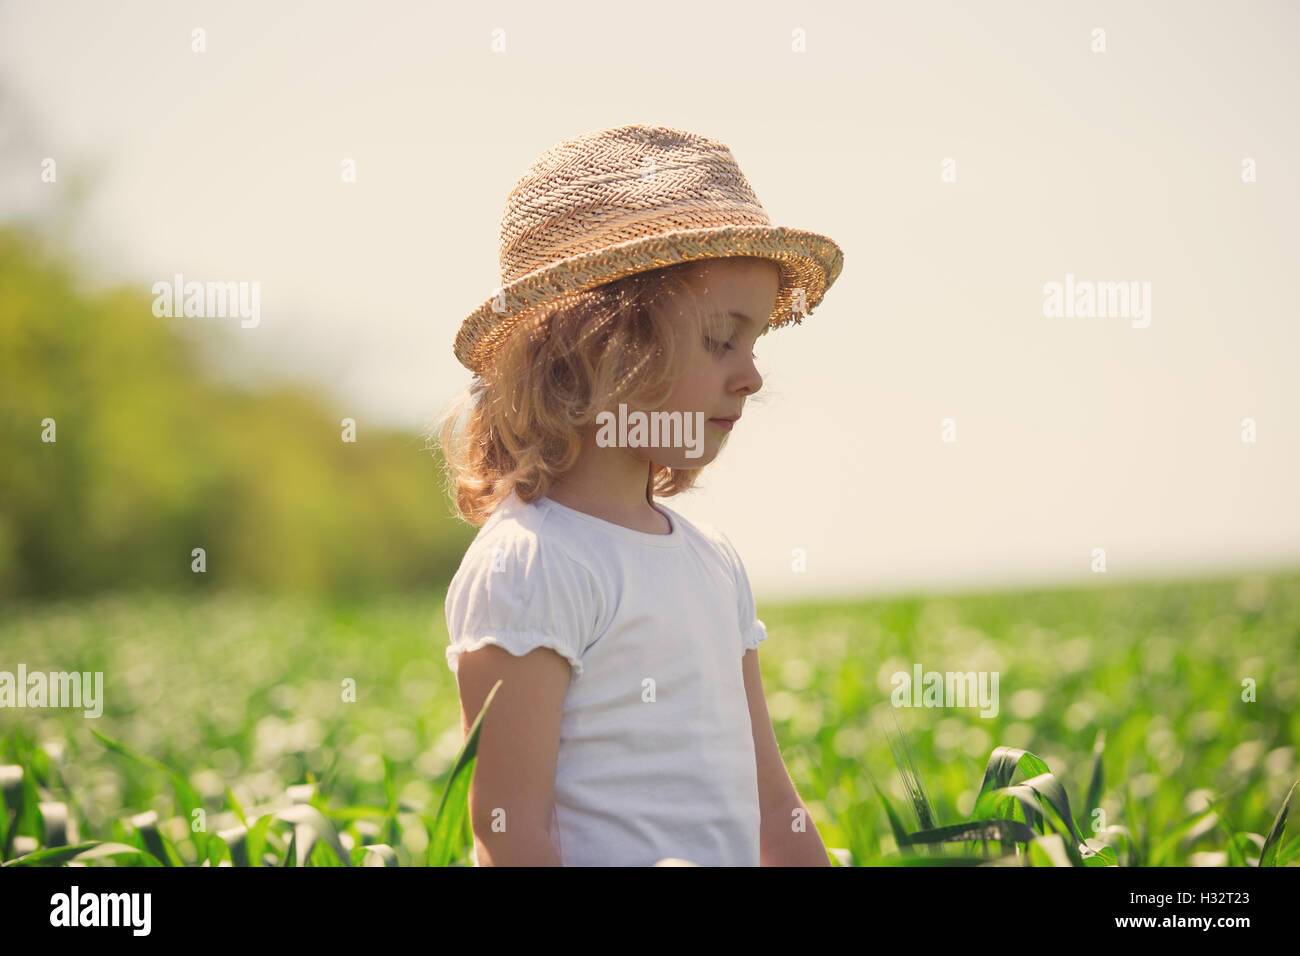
point(726, 423)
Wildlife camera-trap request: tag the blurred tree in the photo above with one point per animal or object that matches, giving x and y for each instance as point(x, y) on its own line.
point(154, 458)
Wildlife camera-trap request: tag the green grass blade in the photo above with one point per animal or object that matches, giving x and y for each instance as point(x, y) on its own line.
point(931, 861)
point(978, 831)
point(1002, 766)
point(318, 828)
point(81, 852)
point(219, 851)
point(321, 855)
point(453, 809)
point(1268, 856)
point(234, 843)
point(186, 798)
point(1049, 850)
point(151, 839)
point(447, 830)
point(900, 833)
point(11, 806)
point(1137, 841)
point(1171, 839)
point(1050, 790)
point(256, 839)
point(1106, 856)
point(357, 812)
point(1095, 780)
point(903, 759)
point(234, 805)
point(1025, 798)
point(389, 825)
point(1235, 856)
point(29, 820)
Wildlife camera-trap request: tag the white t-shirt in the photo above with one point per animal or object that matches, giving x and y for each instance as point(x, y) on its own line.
point(645, 770)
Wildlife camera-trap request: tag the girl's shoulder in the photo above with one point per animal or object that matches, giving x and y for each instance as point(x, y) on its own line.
point(518, 539)
point(710, 533)
point(518, 587)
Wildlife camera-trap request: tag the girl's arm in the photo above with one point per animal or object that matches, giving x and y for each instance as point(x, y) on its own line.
point(788, 836)
point(512, 793)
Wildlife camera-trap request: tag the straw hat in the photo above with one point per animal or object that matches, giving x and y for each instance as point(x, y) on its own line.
point(629, 199)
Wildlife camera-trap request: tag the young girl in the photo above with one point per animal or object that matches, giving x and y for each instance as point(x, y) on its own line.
point(638, 271)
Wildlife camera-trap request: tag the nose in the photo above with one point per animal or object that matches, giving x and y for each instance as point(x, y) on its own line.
point(750, 380)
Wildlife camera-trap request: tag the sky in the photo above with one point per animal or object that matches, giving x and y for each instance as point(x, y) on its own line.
point(964, 156)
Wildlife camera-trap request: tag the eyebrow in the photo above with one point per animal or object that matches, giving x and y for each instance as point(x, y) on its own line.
point(742, 317)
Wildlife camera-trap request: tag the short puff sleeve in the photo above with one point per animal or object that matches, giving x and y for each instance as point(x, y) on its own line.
point(520, 593)
point(752, 631)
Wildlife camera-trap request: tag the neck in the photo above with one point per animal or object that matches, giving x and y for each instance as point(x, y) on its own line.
point(611, 484)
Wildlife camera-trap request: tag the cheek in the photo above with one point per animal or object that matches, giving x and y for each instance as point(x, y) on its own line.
point(693, 399)
point(687, 394)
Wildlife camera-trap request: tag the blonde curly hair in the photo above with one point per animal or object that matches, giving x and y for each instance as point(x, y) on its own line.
point(519, 424)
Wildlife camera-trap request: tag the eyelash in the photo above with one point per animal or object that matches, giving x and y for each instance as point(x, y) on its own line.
point(714, 343)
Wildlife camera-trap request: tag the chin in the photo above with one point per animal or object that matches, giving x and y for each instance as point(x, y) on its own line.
point(684, 463)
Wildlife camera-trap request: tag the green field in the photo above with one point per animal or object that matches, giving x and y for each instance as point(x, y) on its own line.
point(242, 698)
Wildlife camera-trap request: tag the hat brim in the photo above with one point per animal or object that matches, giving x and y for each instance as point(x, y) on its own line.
point(809, 261)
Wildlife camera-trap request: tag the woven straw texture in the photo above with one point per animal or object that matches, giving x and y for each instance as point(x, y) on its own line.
point(629, 199)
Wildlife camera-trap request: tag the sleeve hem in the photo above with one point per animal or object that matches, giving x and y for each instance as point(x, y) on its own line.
point(755, 635)
point(517, 643)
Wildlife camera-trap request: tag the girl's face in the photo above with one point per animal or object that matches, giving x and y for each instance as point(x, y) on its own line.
point(738, 296)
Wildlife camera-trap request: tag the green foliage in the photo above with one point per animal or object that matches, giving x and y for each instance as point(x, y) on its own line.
point(232, 705)
point(155, 455)
point(1268, 855)
point(447, 836)
point(1042, 802)
point(1128, 696)
point(313, 839)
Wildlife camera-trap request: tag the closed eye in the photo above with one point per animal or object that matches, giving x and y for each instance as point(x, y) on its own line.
point(714, 346)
